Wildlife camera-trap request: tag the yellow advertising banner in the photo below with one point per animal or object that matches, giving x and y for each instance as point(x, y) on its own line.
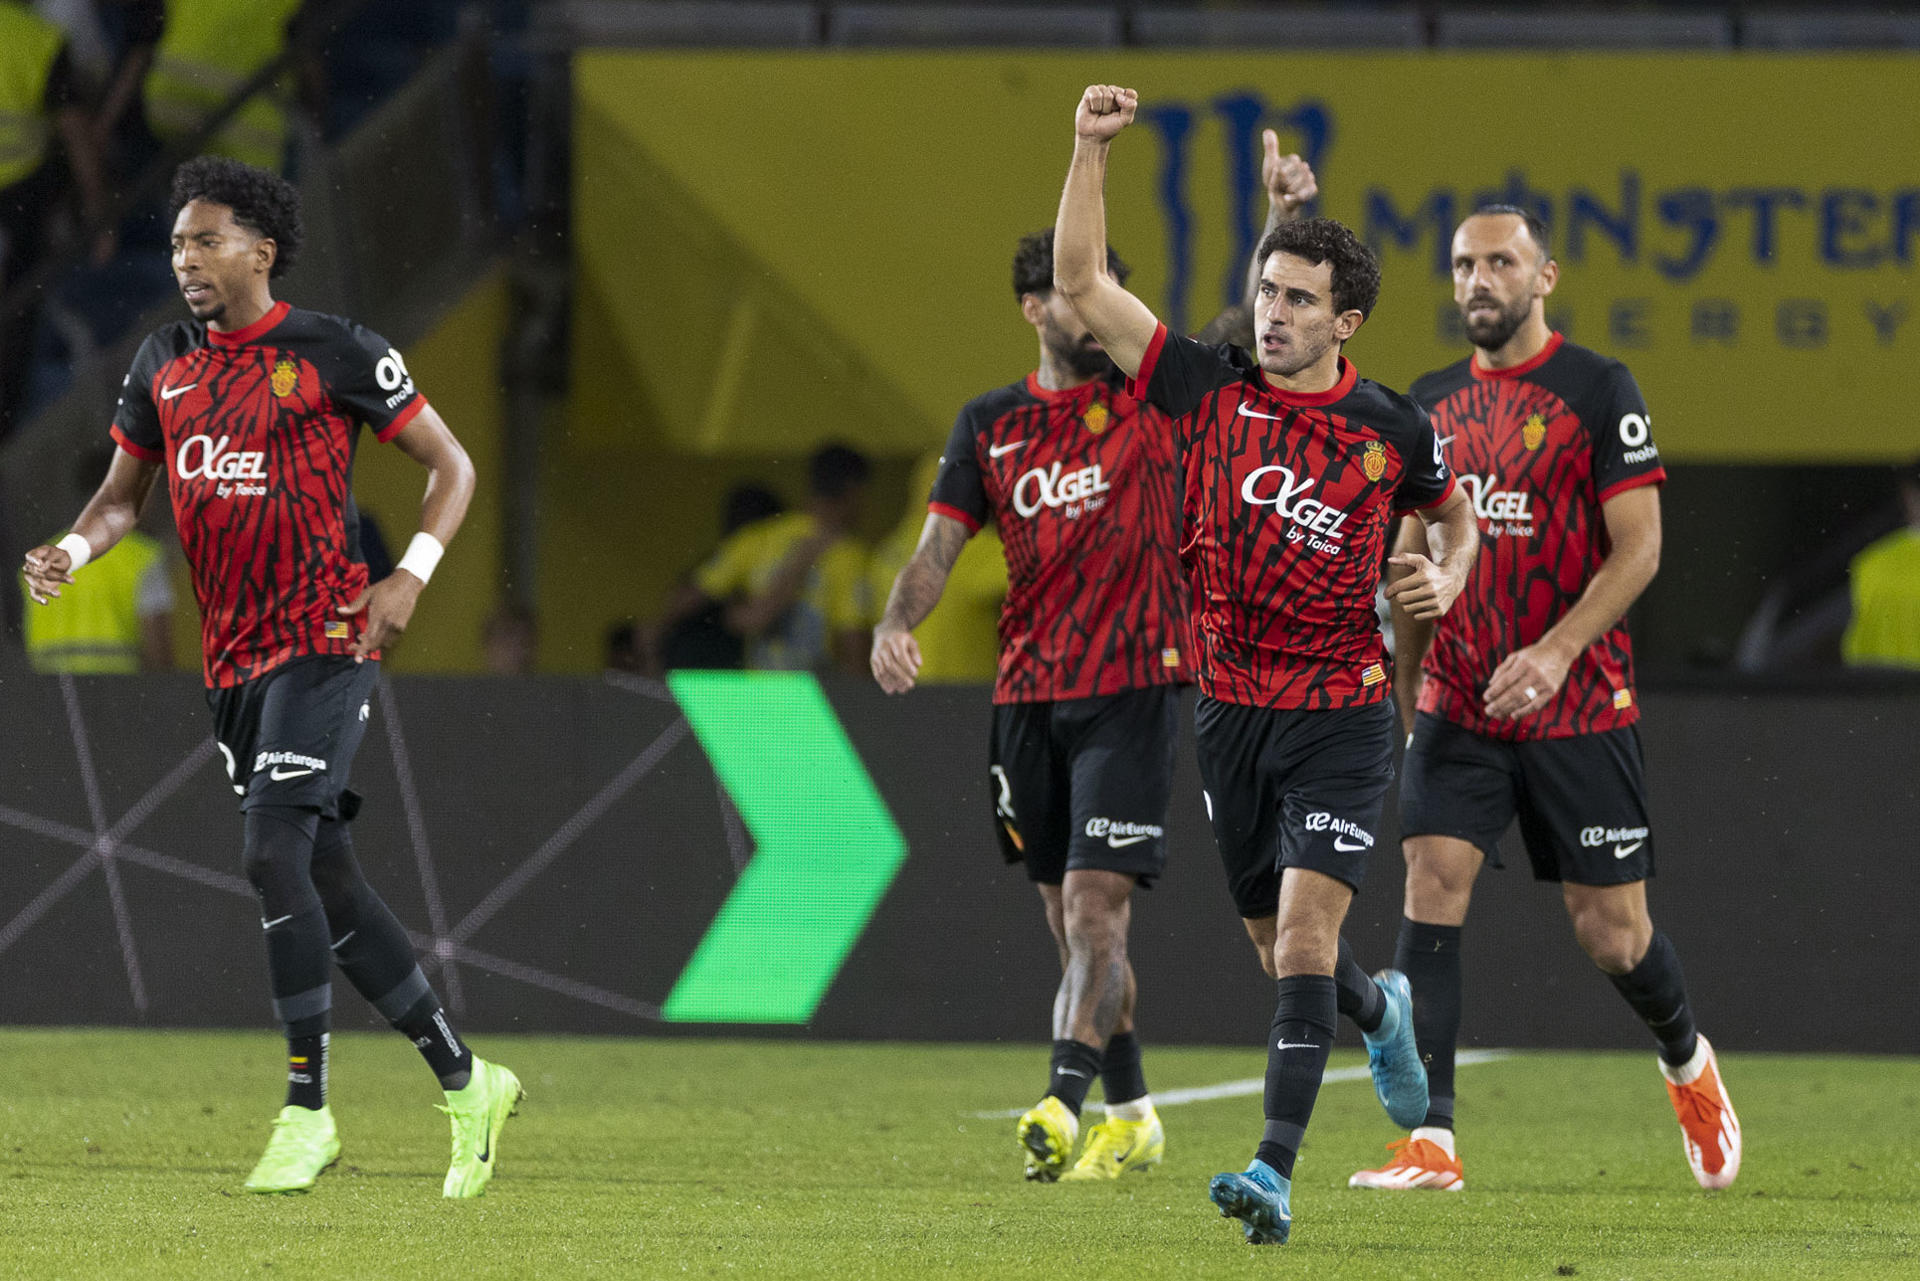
point(783, 248)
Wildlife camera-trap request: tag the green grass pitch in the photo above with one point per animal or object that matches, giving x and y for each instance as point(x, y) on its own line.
point(121, 1155)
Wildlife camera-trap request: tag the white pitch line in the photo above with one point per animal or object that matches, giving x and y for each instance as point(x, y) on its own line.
point(1255, 1085)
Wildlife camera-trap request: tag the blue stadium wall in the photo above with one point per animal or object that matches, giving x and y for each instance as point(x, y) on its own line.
point(560, 847)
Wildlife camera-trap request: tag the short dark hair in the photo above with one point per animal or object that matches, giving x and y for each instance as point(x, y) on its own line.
point(1536, 225)
point(264, 202)
point(1033, 265)
point(746, 504)
point(835, 470)
point(1356, 272)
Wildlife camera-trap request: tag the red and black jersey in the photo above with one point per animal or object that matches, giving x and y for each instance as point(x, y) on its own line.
point(1085, 488)
point(1288, 501)
point(257, 430)
point(1538, 448)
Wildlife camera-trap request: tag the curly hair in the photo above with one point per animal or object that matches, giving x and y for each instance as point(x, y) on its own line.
point(1356, 272)
point(1033, 265)
point(261, 201)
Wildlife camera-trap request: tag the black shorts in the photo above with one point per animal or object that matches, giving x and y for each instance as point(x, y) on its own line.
point(1581, 801)
point(1084, 782)
point(289, 737)
point(1292, 788)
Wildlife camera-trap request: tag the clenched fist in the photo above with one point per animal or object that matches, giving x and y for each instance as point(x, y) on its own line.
point(1104, 111)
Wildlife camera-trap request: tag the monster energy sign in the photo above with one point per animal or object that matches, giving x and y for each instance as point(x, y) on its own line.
point(827, 848)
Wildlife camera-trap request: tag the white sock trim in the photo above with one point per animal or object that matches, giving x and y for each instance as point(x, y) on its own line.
point(1140, 1109)
point(1689, 1072)
point(1442, 1139)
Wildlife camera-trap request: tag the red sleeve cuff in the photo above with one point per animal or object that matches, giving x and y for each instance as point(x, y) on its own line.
point(141, 452)
point(1137, 385)
point(1658, 476)
point(1444, 495)
point(401, 419)
point(965, 518)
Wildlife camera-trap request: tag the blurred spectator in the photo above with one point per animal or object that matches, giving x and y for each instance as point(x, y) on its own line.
point(625, 652)
point(135, 29)
point(692, 632)
point(117, 618)
point(960, 639)
point(47, 147)
point(1885, 631)
point(510, 640)
point(207, 51)
point(794, 587)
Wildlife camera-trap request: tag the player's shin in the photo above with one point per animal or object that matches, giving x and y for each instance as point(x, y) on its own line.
point(1429, 955)
point(277, 859)
point(1657, 990)
point(1305, 1012)
point(1360, 997)
point(373, 951)
point(1123, 1080)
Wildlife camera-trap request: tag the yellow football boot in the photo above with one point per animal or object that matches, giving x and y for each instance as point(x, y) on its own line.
point(1115, 1147)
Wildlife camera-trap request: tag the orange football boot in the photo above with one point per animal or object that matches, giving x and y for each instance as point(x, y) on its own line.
point(1416, 1163)
point(1709, 1131)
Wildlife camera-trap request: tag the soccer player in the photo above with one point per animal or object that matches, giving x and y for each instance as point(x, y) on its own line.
point(253, 409)
point(1080, 477)
point(1293, 469)
point(1520, 701)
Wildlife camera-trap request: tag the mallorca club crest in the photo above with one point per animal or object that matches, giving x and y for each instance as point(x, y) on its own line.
point(1534, 431)
point(286, 375)
point(1096, 418)
point(1373, 460)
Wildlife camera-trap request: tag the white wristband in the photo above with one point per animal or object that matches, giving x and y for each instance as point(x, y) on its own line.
point(78, 550)
point(423, 553)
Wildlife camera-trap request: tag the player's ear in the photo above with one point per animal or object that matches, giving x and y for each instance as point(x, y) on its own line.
point(1348, 323)
point(1034, 308)
point(1549, 277)
point(266, 252)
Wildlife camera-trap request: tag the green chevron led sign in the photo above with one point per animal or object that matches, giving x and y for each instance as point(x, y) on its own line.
point(827, 848)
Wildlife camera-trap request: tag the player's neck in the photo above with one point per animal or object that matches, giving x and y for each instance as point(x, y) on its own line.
point(239, 315)
point(1054, 376)
point(1527, 342)
point(1320, 376)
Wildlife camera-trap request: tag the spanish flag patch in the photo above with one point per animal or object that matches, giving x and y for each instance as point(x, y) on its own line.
point(339, 631)
point(1373, 676)
point(1169, 657)
point(1622, 699)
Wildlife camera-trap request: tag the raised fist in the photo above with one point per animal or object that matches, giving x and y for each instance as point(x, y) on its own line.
point(1104, 111)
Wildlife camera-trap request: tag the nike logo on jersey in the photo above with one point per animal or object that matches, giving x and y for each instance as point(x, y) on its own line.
point(1295, 1045)
point(168, 393)
point(280, 775)
point(1340, 843)
point(1444, 441)
point(1118, 842)
point(1621, 851)
point(997, 451)
point(1254, 413)
point(265, 924)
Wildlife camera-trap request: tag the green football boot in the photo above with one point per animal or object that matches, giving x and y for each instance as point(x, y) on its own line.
point(304, 1143)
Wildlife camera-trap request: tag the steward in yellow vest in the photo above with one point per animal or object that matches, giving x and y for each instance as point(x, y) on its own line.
point(29, 48)
point(114, 620)
point(208, 51)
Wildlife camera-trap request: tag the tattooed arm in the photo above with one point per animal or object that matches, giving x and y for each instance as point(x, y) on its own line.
point(896, 655)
